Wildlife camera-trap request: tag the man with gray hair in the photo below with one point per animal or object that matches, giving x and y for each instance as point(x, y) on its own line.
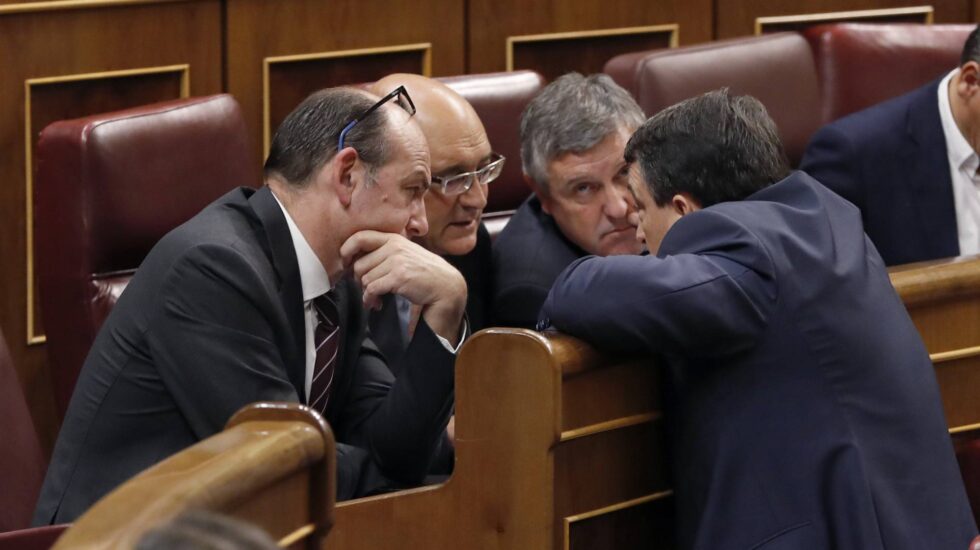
point(572, 139)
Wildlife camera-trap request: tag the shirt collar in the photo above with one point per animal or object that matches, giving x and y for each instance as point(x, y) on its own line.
point(312, 275)
point(960, 153)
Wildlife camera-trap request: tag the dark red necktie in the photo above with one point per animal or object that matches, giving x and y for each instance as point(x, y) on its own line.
point(326, 339)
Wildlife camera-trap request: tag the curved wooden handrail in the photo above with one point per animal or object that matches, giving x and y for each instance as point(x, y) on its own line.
point(945, 279)
point(263, 444)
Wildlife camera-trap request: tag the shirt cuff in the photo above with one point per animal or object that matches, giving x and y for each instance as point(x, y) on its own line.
point(463, 334)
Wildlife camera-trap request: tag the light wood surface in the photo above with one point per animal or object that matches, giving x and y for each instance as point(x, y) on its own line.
point(273, 465)
point(943, 299)
point(546, 430)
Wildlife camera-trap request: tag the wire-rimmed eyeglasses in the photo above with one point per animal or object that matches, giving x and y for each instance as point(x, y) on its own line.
point(399, 94)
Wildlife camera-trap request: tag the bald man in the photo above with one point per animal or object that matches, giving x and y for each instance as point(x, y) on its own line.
point(463, 164)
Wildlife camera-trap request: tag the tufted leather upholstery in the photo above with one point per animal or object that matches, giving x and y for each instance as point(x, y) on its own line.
point(860, 65)
point(777, 69)
point(22, 463)
point(108, 188)
point(499, 99)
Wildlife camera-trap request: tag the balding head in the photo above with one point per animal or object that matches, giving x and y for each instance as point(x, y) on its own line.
point(457, 143)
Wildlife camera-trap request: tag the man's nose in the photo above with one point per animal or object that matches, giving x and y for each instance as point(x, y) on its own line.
point(616, 205)
point(418, 224)
point(476, 196)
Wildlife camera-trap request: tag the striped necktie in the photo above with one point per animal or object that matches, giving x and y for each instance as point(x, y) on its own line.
point(326, 339)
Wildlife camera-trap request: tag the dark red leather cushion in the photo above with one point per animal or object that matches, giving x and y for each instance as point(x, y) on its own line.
point(22, 464)
point(108, 188)
point(499, 99)
point(777, 69)
point(863, 64)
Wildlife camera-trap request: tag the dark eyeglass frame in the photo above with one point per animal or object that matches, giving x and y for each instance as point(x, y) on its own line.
point(398, 93)
point(439, 183)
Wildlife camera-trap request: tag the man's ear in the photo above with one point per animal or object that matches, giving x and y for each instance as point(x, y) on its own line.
point(969, 79)
point(684, 204)
point(540, 192)
point(342, 174)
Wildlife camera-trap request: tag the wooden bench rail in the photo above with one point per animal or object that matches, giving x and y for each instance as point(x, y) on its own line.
point(273, 465)
point(548, 433)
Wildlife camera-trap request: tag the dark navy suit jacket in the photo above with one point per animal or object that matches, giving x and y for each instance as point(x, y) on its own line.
point(890, 160)
point(213, 321)
point(527, 257)
point(804, 410)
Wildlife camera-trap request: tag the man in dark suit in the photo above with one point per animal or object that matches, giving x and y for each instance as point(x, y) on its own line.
point(463, 166)
point(250, 301)
point(910, 164)
point(803, 409)
point(572, 139)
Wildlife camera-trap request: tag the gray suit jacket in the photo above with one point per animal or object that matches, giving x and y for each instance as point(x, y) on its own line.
point(213, 321)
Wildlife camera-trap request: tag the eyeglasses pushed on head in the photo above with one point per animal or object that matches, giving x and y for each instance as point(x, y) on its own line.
point(401, 97)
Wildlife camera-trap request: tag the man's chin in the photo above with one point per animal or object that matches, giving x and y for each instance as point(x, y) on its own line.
point(455, 246)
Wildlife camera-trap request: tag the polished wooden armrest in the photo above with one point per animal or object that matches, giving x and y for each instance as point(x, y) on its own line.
point(273, 465)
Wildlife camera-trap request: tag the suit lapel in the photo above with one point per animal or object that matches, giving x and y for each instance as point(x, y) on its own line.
point(279, 247)
point(928, 168)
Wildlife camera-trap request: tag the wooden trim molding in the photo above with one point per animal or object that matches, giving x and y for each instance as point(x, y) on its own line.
point(183, 70)
point(955, 354)
point(609, 425)
point(569, 520)
point(63, 5)
point(424, 47)
point(673, 29)
point(926, 12)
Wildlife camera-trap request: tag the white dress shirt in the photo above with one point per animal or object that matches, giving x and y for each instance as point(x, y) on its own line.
point(963, 164)
point(315, 282)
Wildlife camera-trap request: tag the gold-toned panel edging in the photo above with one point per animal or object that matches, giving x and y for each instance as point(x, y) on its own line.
point(963, 429)
point(609, 425)
point(60, 5)
point(183, 70)
point(955, 354)
point(569, 520)
point(424, 47)
point(673, 29)
point(296, 536)
point(838, 16)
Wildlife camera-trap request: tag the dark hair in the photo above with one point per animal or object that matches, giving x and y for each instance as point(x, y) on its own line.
point(716, 147)
point(307, 138)
point(572, 115)
point(971, 48)
point(200, 530)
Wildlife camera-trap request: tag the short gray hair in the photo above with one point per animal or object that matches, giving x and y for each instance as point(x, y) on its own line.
point(572, 115)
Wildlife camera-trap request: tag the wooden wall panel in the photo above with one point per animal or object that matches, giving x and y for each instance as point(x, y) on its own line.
point(261, 29)
point(38, 42)
point(738, 18)
point(491, 22)
point(555, 54)
point(288, 80)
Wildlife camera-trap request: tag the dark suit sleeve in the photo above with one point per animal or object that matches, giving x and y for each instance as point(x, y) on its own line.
point(212, 341)
point(518, 305)
point(401, 421)
point(830, 159)
point(710, 303)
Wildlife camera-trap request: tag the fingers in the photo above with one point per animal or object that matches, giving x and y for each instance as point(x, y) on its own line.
point(363, 242)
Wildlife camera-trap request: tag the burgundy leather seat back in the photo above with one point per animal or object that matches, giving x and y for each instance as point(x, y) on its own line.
point(863, 64)
point(499, 99)
point(22, 463)
point(778, 69)
point(108, 188)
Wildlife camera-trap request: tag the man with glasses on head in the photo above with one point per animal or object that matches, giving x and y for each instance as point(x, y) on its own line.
point(572, 139)
point(259, 298)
